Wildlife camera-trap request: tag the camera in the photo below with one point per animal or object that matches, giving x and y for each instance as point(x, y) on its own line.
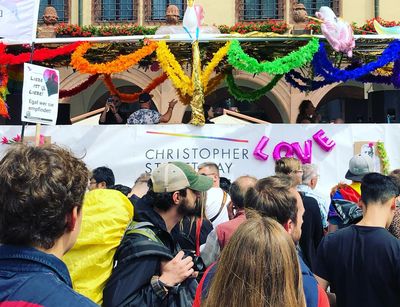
point(198, 264)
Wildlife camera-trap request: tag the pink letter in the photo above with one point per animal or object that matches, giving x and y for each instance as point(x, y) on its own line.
point(304, 157)
point(323, 141)
point(282, 146)
point(257, 153)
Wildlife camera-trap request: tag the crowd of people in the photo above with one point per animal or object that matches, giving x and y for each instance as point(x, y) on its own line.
point(146, 114)
point(186, 237)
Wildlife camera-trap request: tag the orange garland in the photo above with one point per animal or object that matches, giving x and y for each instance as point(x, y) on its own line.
point(122, 63)
point(135, 96)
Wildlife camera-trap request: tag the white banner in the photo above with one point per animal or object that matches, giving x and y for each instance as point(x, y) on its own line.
point(18, 20)
point(40, 94)
point(131, 150)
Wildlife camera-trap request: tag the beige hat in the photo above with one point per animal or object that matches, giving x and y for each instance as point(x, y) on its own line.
point(175, 176)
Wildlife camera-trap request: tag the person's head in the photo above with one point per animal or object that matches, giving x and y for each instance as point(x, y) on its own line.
point(291, 167)
point(42, 191)
point(359, 166)
point(177, 186)
point(310, 175)
point(239, 188)
point(224, 184)
point(306, 108)
point(122, 188)
point(258, 267)
point(211, 170)
point(276, 197)
point(145, 101)
point(395, 175)
point(394, 227)
point(102, 178)
point(114, 99)
point(379, 190)
point(208, 111)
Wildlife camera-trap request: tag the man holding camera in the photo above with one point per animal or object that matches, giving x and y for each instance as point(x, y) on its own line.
point(111, 114)
point(150, 269)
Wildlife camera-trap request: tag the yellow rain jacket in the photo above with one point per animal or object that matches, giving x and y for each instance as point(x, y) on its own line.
point(106, 214)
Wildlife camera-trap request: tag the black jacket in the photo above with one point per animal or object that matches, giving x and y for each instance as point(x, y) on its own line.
point(311, 231)
point(136, 261)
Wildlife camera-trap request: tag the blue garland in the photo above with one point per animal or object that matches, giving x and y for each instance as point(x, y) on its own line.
point(323, 67)
point(311, 85)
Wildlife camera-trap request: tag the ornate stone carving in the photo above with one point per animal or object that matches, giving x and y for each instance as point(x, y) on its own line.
point(172, 15)
point(299, 17)
point(50, 19)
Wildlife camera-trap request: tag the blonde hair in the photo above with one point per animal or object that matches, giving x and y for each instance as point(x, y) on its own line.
point(258, 268)
point(287, 165)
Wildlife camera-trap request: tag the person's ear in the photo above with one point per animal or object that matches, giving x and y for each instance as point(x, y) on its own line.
point(176, 196)
point(289, 226)
point(393, 205)
point(72, 217)
point(102, 185)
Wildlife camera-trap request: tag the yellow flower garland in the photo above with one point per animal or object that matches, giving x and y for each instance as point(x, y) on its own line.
point(385, 70)
point(122, 63)
point(217, 58)
point(173, 69)
point(212, 85)
point(179, 79)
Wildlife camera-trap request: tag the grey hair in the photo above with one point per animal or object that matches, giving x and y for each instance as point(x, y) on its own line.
point(211, 165)
point(310, 171)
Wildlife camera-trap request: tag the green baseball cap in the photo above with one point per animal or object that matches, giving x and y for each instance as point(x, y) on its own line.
point(175, 176)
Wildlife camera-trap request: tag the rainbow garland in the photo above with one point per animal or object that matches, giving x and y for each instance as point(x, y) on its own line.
point(81, 87)
point(240, 95)
point(39, 55)
point(242, 61)
point(323, 67)
point(3, 91)
point(130, 98)
point(382, 154)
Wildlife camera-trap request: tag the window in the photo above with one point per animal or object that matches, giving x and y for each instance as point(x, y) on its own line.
point(61, 7)
point(155, 9)
point(313, 6)
point(260, 9)
point(115, 10)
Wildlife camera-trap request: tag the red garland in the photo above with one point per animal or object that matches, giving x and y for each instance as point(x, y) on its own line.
point(81, 87)
point(39, 55)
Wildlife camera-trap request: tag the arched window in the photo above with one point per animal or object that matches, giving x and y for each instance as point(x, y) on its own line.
point(61, 6)
point(115, 10)
point(259, 9)
point(313, 5)
point(155, 9)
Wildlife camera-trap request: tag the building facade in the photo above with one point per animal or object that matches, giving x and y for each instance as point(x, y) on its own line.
point(350, 101)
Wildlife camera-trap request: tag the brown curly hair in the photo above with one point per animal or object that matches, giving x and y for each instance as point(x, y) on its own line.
point(39, 187)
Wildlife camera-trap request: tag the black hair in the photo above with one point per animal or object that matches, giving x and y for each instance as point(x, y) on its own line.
point(224, 184)
point(163, 201)
point(144, 97)
point(104, 174)
point(376, 187)
point(122, 188)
